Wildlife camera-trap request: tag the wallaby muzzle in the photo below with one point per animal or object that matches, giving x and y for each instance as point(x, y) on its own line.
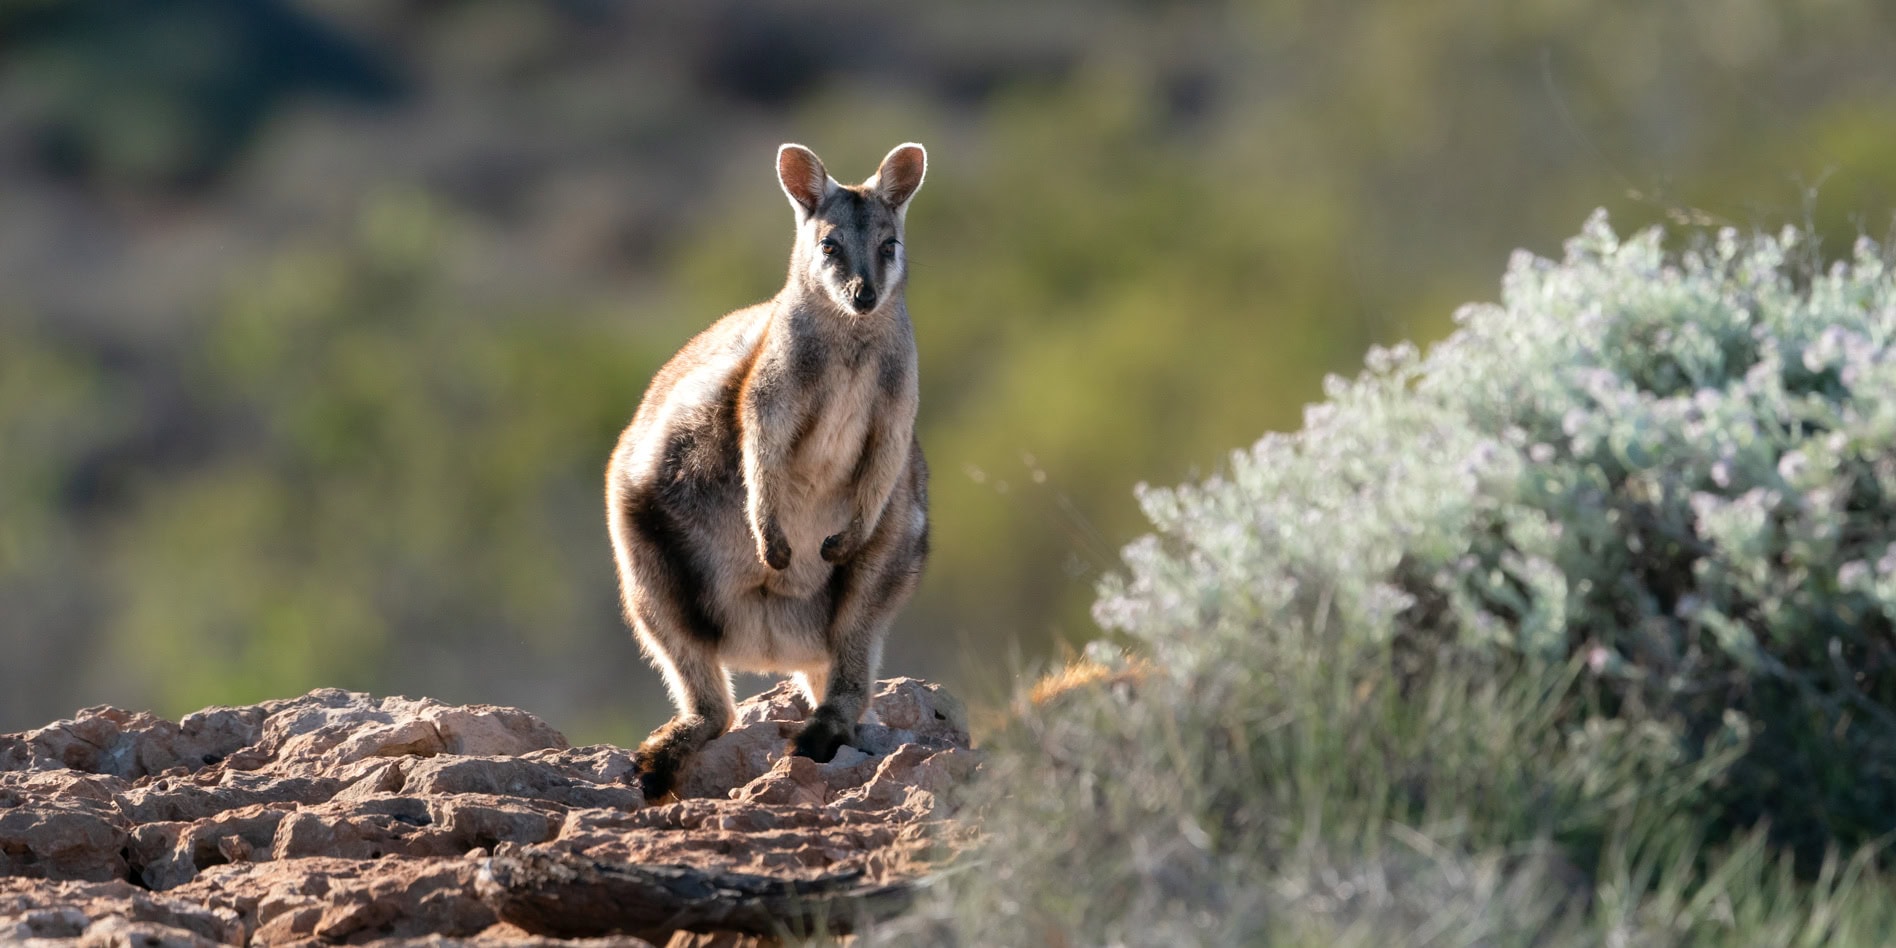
point(862, 295)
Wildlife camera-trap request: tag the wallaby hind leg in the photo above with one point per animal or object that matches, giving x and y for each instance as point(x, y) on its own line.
point(661, 586)
point(833, 723)
point(871, 591)
point(813, 683)
point(705, 710)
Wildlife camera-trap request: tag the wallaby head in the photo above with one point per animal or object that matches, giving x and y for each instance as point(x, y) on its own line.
point(849, 237)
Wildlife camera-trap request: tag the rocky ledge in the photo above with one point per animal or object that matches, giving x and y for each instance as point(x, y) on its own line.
point(340, 818)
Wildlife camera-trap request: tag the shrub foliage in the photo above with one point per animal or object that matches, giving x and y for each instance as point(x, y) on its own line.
point(1581, 623)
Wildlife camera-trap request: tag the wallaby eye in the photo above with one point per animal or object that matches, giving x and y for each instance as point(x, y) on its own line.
point(829, 247)
point(888, 249)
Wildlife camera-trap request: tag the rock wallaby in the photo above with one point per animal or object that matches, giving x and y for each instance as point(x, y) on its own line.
point(768, 504)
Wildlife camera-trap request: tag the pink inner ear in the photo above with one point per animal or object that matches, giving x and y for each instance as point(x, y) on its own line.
point(803, 176)
point(901, 174)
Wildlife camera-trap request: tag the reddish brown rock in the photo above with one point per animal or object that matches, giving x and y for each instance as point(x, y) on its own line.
point(328, 729)
point(128, 744)
point(340, 818)
point(346, 901)
point(549, 779)
point(559, 895)
point(93, 911)
point(53, 838)
point(910, 711)
point(170, 854)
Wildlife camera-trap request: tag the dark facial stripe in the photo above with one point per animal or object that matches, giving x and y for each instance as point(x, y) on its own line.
point(861, 221)
point(848, 209)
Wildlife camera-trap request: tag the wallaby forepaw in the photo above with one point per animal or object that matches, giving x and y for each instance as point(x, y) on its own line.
point(776, 549)
point(838, 548)
point(825, 733)
point(843, 545)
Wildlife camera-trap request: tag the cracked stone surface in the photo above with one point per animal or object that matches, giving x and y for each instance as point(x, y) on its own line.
point(341, 818)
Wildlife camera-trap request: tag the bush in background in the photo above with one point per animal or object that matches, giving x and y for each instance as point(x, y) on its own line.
point(1579, 626)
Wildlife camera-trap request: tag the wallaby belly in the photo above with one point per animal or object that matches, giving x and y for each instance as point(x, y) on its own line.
point(771, 620)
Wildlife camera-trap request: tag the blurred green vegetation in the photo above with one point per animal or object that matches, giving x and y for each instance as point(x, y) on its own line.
point(402, 465)
point(315, 386)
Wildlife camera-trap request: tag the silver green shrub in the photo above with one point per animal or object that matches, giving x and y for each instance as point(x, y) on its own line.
point(1679, 471)
point(1574, 631)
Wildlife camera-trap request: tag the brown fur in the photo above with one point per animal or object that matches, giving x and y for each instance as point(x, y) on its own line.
point(768, 503)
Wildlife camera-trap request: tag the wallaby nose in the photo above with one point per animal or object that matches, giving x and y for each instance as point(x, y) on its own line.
point(865, 297)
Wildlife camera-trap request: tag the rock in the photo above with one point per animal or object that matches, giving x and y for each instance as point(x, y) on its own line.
point(503, 935)
point(331, 728)
point(338, 817)
point(62, 839)
point(911, 711)
point(336, 900)
point(170, 854)
point(97, 912)
point(210, 793)
point(116, 931)
point(568, 896)
point(550, 780)
point(130, 745)
point(925, 709)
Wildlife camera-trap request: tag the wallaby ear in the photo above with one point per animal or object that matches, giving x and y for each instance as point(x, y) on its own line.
point(803, 178)
point(901, 175)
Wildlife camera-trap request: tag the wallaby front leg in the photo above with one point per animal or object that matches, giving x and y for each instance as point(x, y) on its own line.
point(884, 457)
point(768, 420)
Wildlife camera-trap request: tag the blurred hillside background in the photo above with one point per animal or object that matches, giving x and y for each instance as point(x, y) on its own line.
point(318, 320)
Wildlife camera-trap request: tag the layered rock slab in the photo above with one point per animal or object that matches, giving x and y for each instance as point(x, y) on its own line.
point(337, 817)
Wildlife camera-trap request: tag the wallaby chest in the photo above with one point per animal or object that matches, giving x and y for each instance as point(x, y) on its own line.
point(842, 407)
